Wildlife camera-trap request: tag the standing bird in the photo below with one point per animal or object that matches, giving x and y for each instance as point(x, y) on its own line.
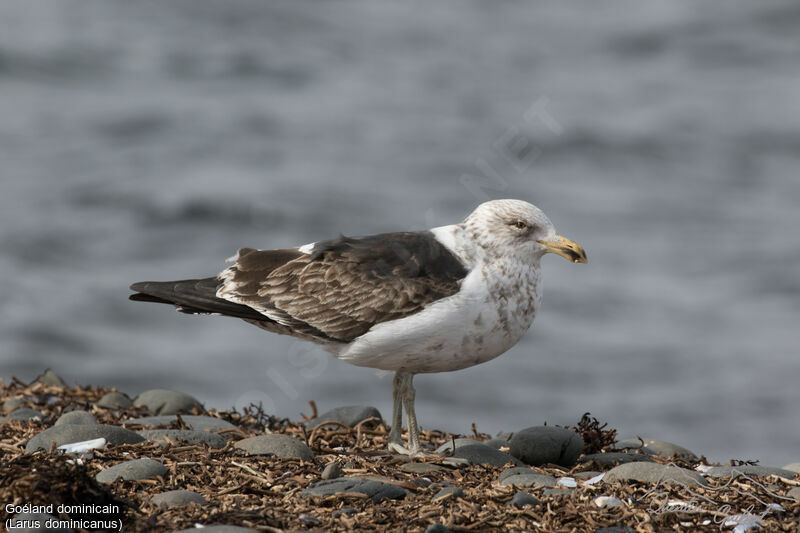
point(409, 302)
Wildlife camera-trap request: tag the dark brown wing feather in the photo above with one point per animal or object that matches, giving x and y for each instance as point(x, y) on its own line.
point(346, 285)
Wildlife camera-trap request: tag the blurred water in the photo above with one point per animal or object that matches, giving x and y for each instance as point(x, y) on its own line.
point(150, 140)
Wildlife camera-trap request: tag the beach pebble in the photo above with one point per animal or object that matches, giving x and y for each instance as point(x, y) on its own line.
point(216, 529)
point(309, 519)
point(794, 493)
point(13, 403)
point(522, 499)
point(166, 402)
point(331, 471)
point(614, 458)
point(31, 519)
point(196, 422)
point(349, 415)
point(750, 470)
point(653, 473)
point(556, 492)
point(376, 490)
point(48, 377)
point(607, 501)
point(583, 476)
point(190, 436)
point(658, 447)
point(448, 446)
point(437, 527)
point(421, 468)
point(539, 445)
point(478, 453)
point(76, 417)
point(69, 433)
point(496, 443)
point(448, 492)
point(22, 414)
point(143, 468)
point(794, 467)
point(276, 444)
point(173, 498)
point(525, 477)
point(114, 400)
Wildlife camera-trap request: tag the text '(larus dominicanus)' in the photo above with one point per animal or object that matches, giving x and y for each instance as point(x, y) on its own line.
point(409, 302)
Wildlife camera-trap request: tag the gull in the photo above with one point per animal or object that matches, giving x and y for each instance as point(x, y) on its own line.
point(414, 302)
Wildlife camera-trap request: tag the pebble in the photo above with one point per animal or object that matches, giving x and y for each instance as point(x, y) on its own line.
point(607, 501)
point(448, 446)
point(48, 377)
point(309, 519)
point(478, 453)
point(525, 477)
point(78, 417)
point(114, 400)
point(522, 499)
point(614, 458)
point(276, 444)
point(496, 443)
point(448, 492)
point(583, 476)
point(658, 447)
point(421, 468)
point(173, 498)
point(331, 471)
point(345, 511)
point(653, 473)
point(795, 493)
point(376, 490)
point(69, 433)
point(196, 422)
point(217, 529)
point(23, 414)
point(349, 415)
point(131, 470)
point(751, 470)
point(190, 436)
point(166, 402)
point(616, 529)
point(13, 403)
point(437, 527)
point(794, 467)
point(30, 518)
point(539, 445)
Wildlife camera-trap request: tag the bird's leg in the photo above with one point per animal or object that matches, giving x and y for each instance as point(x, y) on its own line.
point(395, 433)
point(409, 395)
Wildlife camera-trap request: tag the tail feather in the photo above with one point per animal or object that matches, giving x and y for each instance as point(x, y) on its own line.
point(192, 296)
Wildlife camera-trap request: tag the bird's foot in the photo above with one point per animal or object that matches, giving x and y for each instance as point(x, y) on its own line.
point(398, 448)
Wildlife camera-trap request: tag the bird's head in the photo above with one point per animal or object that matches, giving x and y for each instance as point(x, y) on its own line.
point(502, 224)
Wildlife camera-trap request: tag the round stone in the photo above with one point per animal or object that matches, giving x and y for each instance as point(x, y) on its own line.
point(614, 458)
point(23, 414)
point(349, 415)
point(77, 417)
point(658, 447)
point(276, 444)
point(13, 403)
point(190, 436)
point(130, 470)
point(331, 471)
point(522, 499)
point(70, 433)
point(478, 453)
point(375, 490)
point(437, 527)
point(653, 473)
point(448, 492)
point(166, 402)
point(525, 477)
point(749, 470)
point(197, 422)
point(173, 498)
point(48, 377)
point(114, 400)
point(540, 445)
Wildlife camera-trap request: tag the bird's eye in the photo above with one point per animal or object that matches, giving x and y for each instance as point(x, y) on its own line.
point(520, 224)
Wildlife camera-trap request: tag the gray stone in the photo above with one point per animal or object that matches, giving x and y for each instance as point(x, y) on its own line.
point(349, 415)
point(437, 527)
point(173, 498)
point(794, 493)
point(421, 468)
point(376, 490)
point(616, 529)
point(309, 519)
point(114, 400)
point(48, 377)
point(448, 446)
point(478, 453)
point(496, 443)
point(749, 470)
point(80, 418)
point(331, 471)
point(583, 476)
point(794, 467)
point(525, 477)
point(143, 468)
point(217, 529)
point(522, 499)
point(614, 458)
point(653, 473)
point(166, 402)
point(23, 414)
point(191, 436)
point(540, 445)
point(658, 447)
point(69, 433)
point(34, 523)
point(13, 403)
point(276, 444)
point(448, 492)
point(197, 422)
